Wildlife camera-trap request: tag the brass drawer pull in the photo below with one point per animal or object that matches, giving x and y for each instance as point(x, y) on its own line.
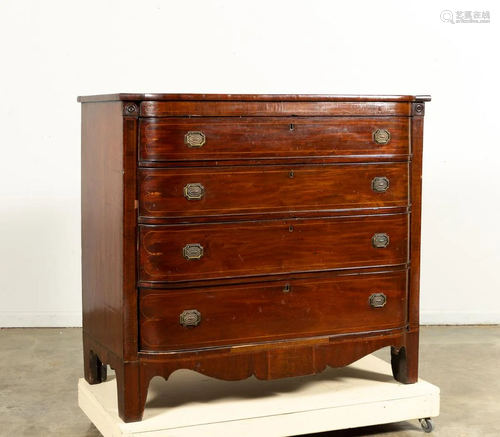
point(190, 318)
point(195, 139)
point(380, 241)
point(380, 184)
point(192, 251)
point(194, 191)
point(377, 300)
point(381, 136)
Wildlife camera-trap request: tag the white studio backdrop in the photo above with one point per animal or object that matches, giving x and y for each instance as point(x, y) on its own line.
point(54, 50)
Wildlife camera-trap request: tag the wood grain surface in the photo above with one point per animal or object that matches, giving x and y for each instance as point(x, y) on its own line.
point(286, 264)
point(271, 137)
point(253, 97)
point(242, 314)
point(102, 224)
point(272, 109)
point(239, 192)
point(270, 247)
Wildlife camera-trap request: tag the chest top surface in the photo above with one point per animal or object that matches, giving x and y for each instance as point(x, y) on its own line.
point(255, 97)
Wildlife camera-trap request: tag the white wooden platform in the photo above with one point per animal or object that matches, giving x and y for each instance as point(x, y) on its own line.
point(190, 404)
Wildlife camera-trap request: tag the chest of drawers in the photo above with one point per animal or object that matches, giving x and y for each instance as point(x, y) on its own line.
point(240, 235)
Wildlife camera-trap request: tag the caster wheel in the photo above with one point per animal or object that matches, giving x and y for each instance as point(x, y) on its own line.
point(427, 424)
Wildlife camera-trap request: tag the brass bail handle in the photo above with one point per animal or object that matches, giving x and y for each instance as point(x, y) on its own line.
point(193, 251)
point(195, 139)
point(381, 136)
point(380, 184)
point(194, 191)
point(377, 300)
point(379, 241)
point(190, 318)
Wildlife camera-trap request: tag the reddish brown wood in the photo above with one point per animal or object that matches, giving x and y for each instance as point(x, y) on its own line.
point(241, 314)
point(404, 360)
point(109, 163)
point(131, 394)
point(291, 214)
point(96, 358)
point(102, 224)
point(260, 137)
point(265, 161)
point(272, 109)
point(129, 173)
point(270, 247)
point(253, 97)
point(236, 192)
point(417, 132)
point(95, 370)
point(261, 230)
point(281, 277)
point(271, 361)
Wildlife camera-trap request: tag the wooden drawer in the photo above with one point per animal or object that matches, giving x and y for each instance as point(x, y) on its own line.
point(261, 312)
point(239, 191)
point(231, 138)
point(245, 108)
point(224, 250)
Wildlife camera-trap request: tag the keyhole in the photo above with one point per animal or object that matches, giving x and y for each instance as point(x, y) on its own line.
point(291, 126)
point(287, 288)
point(290, 228)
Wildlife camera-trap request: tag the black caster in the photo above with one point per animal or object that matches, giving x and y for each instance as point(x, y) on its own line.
point(427, 424)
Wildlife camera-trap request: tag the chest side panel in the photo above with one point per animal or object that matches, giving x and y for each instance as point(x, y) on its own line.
point(102, 223)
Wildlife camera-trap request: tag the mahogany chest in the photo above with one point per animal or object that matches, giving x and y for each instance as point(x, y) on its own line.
point(240, 235)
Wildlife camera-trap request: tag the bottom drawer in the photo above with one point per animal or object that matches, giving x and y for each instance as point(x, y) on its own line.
point(259, 312)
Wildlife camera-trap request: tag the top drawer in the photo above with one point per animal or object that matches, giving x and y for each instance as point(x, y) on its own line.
point(251, 138)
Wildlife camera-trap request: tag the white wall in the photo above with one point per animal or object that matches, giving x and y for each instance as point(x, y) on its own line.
point(54, 50)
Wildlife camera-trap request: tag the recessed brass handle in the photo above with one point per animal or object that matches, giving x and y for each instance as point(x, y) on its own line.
point(192, 251)
point(380, 241)
point(380, 184)
point(194, 191)
point(381, 136)
point(377, 300)
point(195, 139)
point(190, 318)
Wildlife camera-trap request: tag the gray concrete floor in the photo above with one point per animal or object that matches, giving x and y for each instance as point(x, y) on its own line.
point(40, 368)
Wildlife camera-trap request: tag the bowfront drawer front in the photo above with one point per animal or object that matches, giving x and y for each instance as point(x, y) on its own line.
point(219, 139)
point(282, 108)
point(174, 253)
point(226, 315)
point(238, 191)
